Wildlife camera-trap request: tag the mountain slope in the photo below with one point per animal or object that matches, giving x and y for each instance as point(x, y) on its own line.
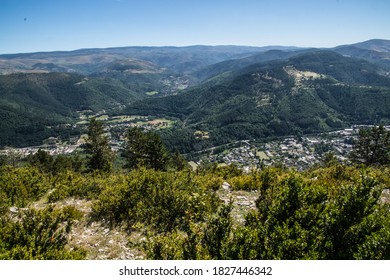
point(30, 103)
point(377, 51)
point(228, 68)
point(311, 92)
point(377, 45)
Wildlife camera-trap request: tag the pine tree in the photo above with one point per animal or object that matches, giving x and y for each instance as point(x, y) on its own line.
point(99, 153)
point(42, 160)
point(372, 147)
point(145, 149)
point(178, 161)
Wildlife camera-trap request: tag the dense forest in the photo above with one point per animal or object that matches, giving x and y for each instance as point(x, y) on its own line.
point(332, 211)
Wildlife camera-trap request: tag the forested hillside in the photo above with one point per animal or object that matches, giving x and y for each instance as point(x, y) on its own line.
point(34, 107)
point(311, 92)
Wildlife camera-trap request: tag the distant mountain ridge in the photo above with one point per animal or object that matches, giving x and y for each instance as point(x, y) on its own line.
point(377, 45)
point(176, 58)
point(376, 50)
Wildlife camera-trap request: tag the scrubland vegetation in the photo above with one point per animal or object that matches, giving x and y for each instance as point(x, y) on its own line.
point(338, 211)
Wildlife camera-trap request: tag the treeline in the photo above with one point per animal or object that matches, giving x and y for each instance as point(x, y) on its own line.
point(336, 211)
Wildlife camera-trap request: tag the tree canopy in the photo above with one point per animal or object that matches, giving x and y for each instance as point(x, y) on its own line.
point(372, 147)
point(97, 147)
point(145, 149)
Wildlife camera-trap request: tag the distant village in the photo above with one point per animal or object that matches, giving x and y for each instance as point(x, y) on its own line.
point(293, 152)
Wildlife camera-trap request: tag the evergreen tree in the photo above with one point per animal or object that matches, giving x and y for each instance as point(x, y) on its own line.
point(42, 160)
point(329, 159)
point(3, 159)
point(178, 161)
point(372, 147)
point(97, 148)
point(145, 149)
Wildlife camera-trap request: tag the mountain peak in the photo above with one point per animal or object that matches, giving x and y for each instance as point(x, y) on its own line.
point(378, 45)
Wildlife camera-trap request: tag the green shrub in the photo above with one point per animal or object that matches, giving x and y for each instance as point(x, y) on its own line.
point(298, 216)
point(19, 186)
point(83, 186)
point(162, 200)
point(38, 235)
point(208, 240)
point(305, 219)
point(245, 182)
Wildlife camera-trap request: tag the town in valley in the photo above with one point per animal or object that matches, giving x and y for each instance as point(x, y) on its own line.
point(299, 152)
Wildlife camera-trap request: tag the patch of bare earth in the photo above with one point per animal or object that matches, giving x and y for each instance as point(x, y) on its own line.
point(385, 196)
point(243, 201)
point(100, 242)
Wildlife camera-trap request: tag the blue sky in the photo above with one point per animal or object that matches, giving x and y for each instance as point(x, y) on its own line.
point(49, 25)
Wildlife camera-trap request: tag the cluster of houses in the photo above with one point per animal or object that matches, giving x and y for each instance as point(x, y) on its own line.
point(60, 149)
point(296, 152)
